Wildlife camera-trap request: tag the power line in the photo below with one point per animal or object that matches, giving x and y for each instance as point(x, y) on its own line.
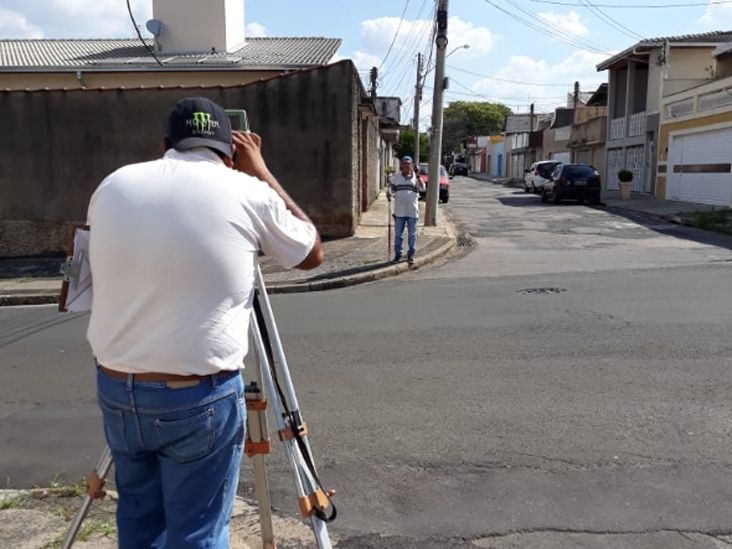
point(139, 34)
point(557, 32)
point(638, 6)
point(507, 80)
point(393, 40)
point(610, 21)
point(539, 28)
point(476, 94)
point(412, 35)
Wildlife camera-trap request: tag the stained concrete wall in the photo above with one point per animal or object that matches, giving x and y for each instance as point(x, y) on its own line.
point(56, 146)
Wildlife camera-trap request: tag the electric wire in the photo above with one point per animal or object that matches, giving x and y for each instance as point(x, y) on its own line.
point(639, 6)
point(396, 34)
point(611, 21)
point(139, 34)
point(507, 80)
point(546, 29)
point(558, 32)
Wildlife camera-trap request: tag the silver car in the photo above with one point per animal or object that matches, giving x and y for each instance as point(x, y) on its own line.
point(537, 174)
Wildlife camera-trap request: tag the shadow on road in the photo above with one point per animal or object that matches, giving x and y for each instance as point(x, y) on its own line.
point(665, 227)
point(526, 200)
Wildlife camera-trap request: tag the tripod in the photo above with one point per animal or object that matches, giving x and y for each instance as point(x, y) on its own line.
point(273, 376)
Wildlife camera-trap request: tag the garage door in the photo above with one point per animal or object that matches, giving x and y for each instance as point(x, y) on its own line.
point(700, 166)
point(564, 157)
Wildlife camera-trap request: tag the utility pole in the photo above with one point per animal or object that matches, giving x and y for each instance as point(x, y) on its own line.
point(373, 76)
point(575, 106)
point(417, 100)
point(531, 130)
point(433, 186)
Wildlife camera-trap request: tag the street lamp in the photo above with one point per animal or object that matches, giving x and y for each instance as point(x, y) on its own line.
point(463, 47)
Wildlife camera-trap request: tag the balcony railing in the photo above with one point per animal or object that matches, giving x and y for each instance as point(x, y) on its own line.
point(617, 128)
point(637, 124)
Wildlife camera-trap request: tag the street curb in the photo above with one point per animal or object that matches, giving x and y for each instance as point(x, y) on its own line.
point(44, 298)
point(361, 278)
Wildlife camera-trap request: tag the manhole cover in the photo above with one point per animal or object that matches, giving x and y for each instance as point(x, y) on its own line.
point(541, 291)
point(465, 241)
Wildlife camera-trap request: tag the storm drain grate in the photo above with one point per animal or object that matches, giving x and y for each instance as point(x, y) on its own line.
point(465, 241)
point(541, 291)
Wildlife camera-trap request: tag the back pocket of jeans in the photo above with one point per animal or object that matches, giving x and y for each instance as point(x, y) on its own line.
point(187, 439)
point(114, 427)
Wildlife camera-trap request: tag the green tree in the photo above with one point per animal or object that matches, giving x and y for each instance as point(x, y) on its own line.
point(463, 119)
point(406, 144)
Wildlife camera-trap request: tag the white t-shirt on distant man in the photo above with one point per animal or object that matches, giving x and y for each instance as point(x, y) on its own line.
point(173, 249)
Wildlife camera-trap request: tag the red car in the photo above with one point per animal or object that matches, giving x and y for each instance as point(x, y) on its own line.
point(444, 181)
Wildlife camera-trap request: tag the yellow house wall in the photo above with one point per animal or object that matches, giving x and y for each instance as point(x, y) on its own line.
point(39, 80)
point(664, 139)
point(688, 68)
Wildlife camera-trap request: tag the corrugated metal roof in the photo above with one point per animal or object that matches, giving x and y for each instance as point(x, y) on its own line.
point(96, 53)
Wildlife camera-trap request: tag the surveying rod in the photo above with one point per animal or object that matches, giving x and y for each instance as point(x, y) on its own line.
point(94, 491)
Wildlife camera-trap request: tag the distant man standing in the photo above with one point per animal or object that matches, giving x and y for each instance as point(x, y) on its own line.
point(405, 187)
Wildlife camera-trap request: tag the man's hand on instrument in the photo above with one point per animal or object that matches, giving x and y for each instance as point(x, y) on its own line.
point(248, 154)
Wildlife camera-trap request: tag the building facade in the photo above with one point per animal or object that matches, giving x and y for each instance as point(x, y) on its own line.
point(638, 79)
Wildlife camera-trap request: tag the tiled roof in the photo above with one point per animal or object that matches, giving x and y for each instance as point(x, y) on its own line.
point(714, 37)
point(107, 53)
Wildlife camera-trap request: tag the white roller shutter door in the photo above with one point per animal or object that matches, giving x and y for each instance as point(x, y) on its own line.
point(699, 167)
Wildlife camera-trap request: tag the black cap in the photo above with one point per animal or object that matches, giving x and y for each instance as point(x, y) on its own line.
point(199, 122)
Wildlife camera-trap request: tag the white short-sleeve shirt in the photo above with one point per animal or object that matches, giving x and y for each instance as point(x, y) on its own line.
point(173, 248)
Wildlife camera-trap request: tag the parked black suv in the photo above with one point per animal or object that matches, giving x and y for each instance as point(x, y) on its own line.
point(459, 168)
point(574, 181)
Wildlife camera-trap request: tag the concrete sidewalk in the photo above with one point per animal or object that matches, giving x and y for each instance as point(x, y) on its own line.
point(348, 261)
point(654, 207)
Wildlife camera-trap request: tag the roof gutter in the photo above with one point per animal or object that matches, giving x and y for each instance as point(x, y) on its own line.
point(155, 68)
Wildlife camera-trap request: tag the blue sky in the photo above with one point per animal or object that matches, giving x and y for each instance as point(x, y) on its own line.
point(507, 60)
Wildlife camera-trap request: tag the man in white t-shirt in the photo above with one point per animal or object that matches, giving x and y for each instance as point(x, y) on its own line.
point(173, 249)
point(405, 188)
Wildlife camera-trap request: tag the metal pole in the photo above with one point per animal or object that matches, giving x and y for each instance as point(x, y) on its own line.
point(417, 99)
point(433, 186)
point(102, 469)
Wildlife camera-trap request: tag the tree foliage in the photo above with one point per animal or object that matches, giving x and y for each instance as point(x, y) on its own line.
point(463, 119)
point(406, 144)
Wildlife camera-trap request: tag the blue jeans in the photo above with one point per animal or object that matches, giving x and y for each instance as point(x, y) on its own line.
point(411, 223)
point(176, 456)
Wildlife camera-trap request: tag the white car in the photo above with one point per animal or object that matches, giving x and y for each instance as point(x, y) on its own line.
point(537, 174)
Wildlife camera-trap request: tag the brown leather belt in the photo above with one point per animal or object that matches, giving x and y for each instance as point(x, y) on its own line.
point(151, 376)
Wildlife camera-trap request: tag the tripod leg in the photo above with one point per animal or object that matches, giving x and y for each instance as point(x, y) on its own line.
point(257, 446)
point(94, 491)
point(312, 499)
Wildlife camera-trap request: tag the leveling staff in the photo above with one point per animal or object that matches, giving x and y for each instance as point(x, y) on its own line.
point(174, 245)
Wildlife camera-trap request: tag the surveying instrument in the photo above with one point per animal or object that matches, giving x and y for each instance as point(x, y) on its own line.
point(273, 380)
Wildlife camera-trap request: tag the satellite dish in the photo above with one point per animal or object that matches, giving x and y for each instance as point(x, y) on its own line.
point(154, 26)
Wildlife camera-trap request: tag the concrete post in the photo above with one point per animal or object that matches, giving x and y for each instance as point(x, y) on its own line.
point(417, 99)
point(433, 186)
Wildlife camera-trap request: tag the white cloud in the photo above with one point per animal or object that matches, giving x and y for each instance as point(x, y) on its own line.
point(377, 34)
point(480, 39)
point(548, 83)
point(107, 18)
point(255, 30)
point(15, 25)
point(569, 22)
point(364, 60)
point(717, 16)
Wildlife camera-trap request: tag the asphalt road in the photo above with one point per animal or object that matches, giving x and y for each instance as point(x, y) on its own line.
point(564, 383)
